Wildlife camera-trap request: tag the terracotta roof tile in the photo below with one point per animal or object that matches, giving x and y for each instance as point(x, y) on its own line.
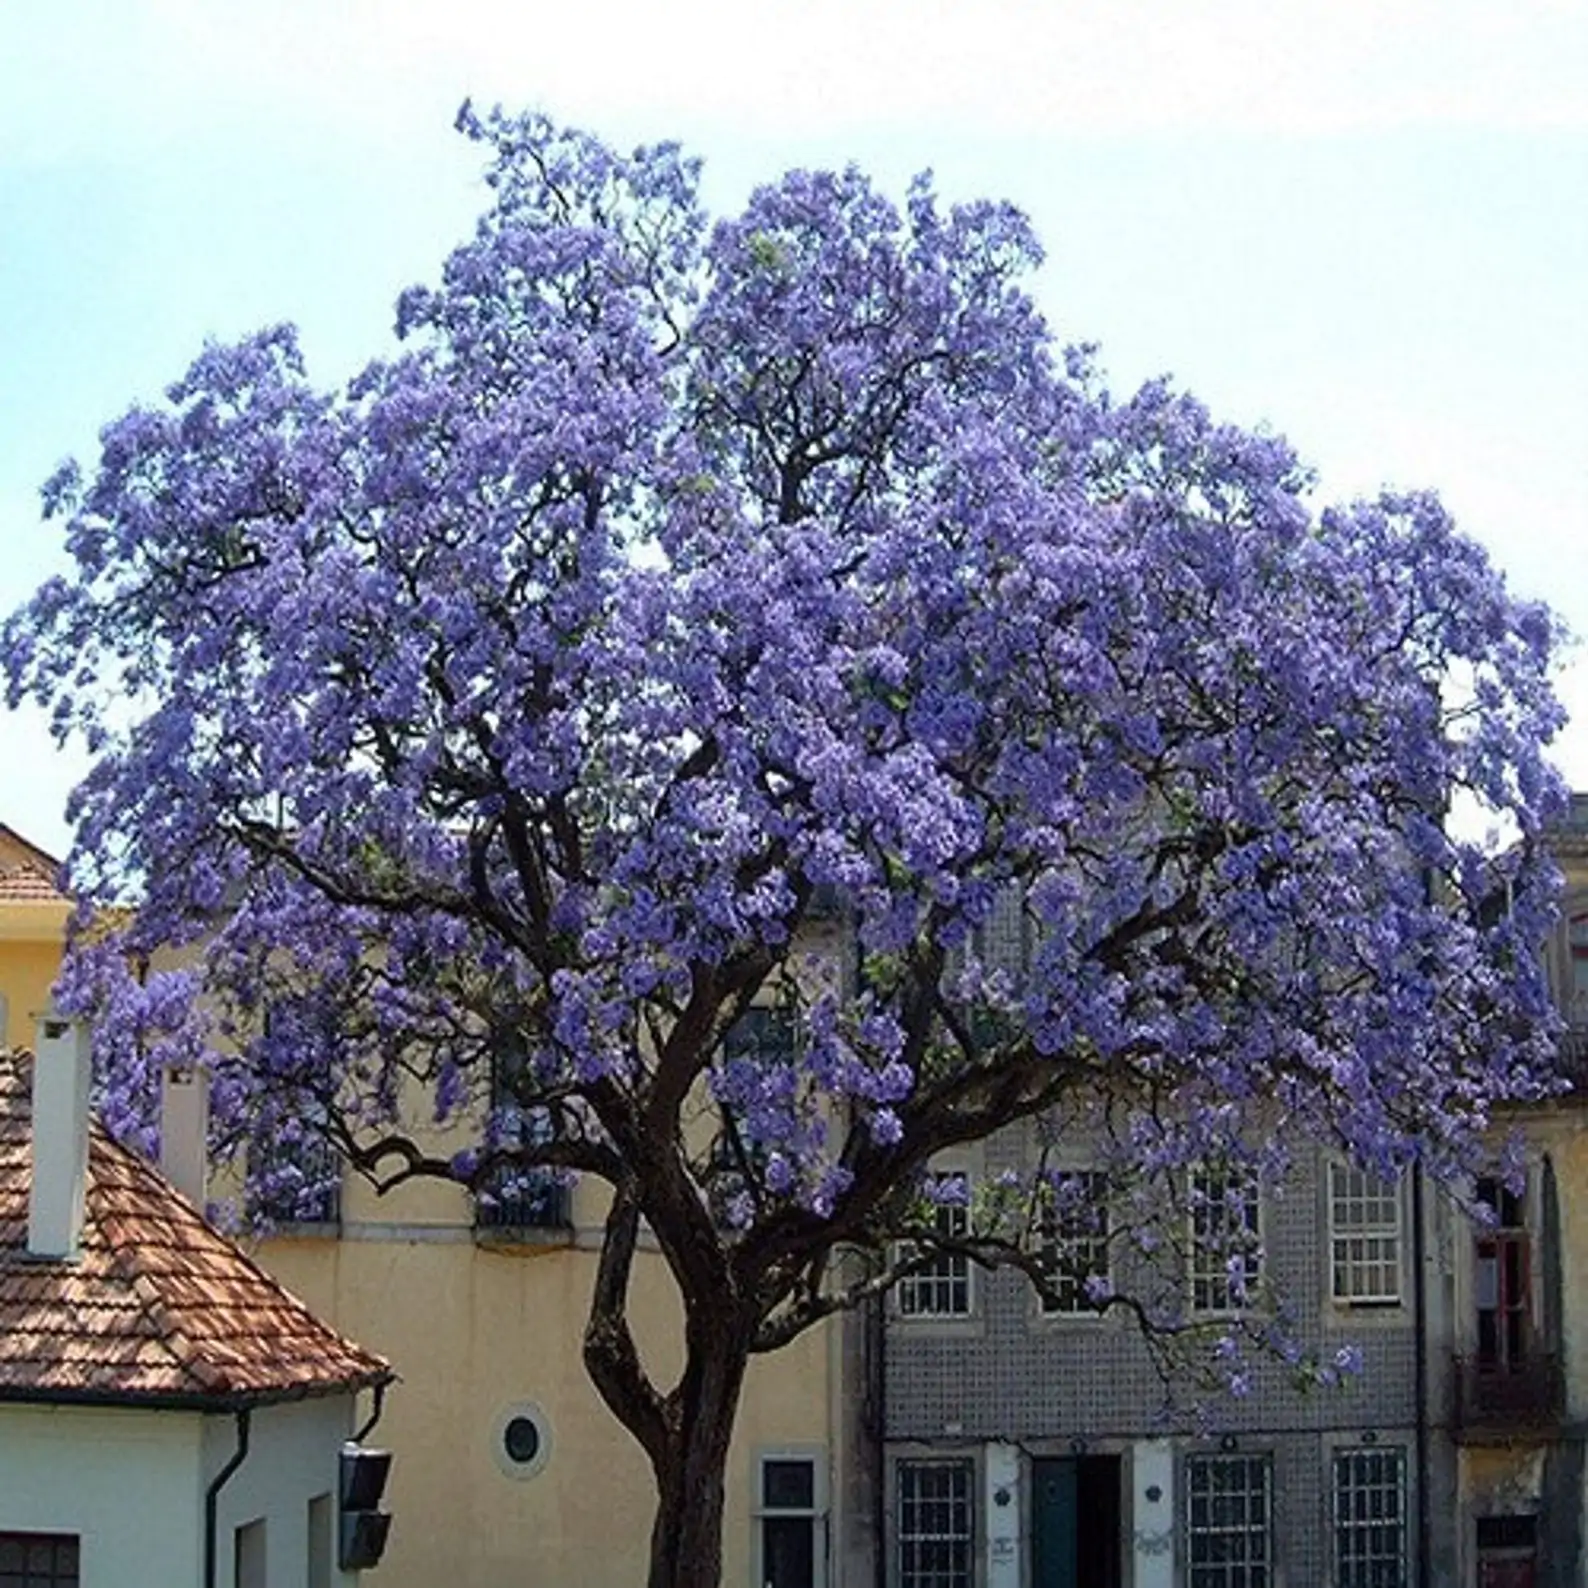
point(158, 1306)
point(23, 885)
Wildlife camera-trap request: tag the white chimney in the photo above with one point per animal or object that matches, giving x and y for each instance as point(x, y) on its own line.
point(60, 1137)
point(184, 1129)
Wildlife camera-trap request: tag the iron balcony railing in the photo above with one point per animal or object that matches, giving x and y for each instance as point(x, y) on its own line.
point(1573, 1057)
point(526, 1202)
point(1505, 1402)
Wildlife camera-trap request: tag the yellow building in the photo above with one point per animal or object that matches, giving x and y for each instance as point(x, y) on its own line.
point(508, 1467)
point(33, 914)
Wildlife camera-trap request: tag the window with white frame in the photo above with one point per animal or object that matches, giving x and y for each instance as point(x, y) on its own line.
point(790, 1501)
point(1370, 1517)
point(1364, 1238)
point(1229, 1522)
point(38, 1560)
point(941, 1287)
point(1226, 1254)
point(936, 1524)
point(1075, 1242)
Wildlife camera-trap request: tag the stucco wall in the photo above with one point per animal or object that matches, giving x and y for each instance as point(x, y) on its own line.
point(27, 968)
point(472, 1330)
point(292, 1458)
point(126, 1482)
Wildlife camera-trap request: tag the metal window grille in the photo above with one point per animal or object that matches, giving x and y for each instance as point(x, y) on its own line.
point(1226, 1255)
point(513, 1197)
point(1364, 1237)
point(941, 1289)
point(295, 1181)
point(38, 1560)
point(1370, 1518)
point(1229, 1522)
point(1075, 1242)
point(936, 1525)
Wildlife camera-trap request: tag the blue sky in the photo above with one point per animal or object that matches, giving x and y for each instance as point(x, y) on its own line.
point(1362, 222)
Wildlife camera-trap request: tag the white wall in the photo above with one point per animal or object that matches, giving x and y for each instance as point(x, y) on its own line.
point(124, 1481)
point(292, 1458)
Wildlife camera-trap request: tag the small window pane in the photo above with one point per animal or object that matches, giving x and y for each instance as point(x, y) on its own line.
point(1228, 1522)
point(1365, 1238)
point(1075, 1240)
point(1226, 1255)
point(941, 1289)
point(788, 1485)
point(788, 1551)
point(1370, 1518)
point(38, 1560)
point(936, 1524)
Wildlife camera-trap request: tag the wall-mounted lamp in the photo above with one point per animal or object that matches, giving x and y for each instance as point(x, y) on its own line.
point(1227, 1443)
point(1000, 1496)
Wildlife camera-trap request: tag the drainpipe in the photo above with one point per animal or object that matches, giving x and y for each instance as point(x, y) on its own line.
point(212, 1495)
point(877, 1327)
point(374, 1415)
point(1420, 1323)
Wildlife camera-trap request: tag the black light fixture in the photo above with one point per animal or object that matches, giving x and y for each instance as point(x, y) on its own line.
point(1228, 1444)
point(363, 1527)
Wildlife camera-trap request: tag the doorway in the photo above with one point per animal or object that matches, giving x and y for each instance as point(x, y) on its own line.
point(1075, 1522)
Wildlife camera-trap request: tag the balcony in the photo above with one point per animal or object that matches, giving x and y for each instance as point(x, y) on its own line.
point(1504, 1404)
point(532, 1209)
point(1572, 1056)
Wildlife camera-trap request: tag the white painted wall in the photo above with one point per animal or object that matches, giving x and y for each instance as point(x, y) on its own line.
point(126, 1482)
point(1005, 1555)
point(292, 1458)
point(1153, 1512)
point(130, 1484)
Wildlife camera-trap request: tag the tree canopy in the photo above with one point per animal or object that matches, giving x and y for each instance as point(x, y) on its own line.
point(680, 591)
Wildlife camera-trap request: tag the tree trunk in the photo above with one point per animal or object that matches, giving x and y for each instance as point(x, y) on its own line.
point(686, 1538)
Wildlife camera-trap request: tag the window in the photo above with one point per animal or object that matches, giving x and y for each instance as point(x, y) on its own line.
point(1507, 1551)
point(1229, 1522)
point(1226, 1255)
point(1370, 1518)
point(788, 1521)
point(38, 1560)
point(1364, 1238)
point(1075, 1242)
point(1577, 994)
point(295, 1178)
point(1502, 1280)
point(521, 1440)
point(936, 1524)
point(764, 1038)
point(941, 1289)
point(294, 1172)
point(515, 1198)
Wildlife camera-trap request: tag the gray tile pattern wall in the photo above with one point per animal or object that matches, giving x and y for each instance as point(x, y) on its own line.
point(1020, 1376)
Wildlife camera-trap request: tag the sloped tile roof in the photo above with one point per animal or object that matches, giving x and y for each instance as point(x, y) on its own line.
point(27, 873)
point(24, 885)
point(159, 1308)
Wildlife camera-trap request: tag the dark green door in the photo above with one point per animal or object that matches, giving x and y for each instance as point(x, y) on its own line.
point(1054, 1525)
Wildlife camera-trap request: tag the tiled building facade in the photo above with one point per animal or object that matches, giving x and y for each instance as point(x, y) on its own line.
point(1051, 1440)
point(1022, 1447)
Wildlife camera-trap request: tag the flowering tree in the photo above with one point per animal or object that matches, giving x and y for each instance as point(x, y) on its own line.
point(499, 729)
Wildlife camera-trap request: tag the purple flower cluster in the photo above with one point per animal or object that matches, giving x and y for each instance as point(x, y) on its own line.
point(681, 595)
